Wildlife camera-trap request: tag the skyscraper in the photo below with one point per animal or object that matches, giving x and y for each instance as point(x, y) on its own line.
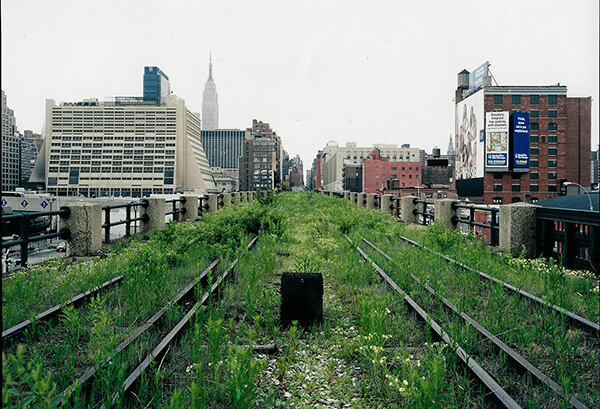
point(210, 103)
point(156, 85)
point(10, 148)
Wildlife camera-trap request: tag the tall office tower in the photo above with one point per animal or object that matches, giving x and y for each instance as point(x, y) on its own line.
point(11, 159)
point(124, 147)
point(156, 85)
point(223, 147)
point(210, 103)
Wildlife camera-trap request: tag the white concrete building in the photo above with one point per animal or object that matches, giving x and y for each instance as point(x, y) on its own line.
point(124, 147)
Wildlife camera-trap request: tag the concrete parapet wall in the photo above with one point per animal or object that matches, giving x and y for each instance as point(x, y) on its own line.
point(362, 200)
point(347, 196)
point(85, 224)
point(156, 214)
point(371, 201)
point(408, 206)
point(353, 196)
point(191, 208)
point(226, 199)
point(444, 213)
point(213, 203)
point(518, 228)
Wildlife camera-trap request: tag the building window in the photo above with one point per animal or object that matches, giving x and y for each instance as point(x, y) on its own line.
point(552, 113)
point(534, 99)
point(516, 100)
point(497, 200)
point(533, 188)
point(551, 163)
point(534, 151)
point(534, 113)
point(552, 126)
point(552, 99)
point(534, 176)
point(497, 99)
point(497, 188)
point(533, 138)
point(551, 151)
point(498, 176)
point(552, 138)
point(543, 139)
point(552, 188)
point(534, 126)
point(551, 175)
point(516, 188)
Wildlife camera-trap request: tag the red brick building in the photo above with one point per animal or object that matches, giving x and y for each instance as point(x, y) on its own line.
point(559, 143)
point(377, 170)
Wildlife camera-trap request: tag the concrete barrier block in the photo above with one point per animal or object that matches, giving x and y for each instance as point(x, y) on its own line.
point(226, 199)
point(371, 200)
point(191, 208)
point(386, 203)
point(408, 206)
point(156, 214)
point(444, 213)
point(518, 228)
point(85, 224)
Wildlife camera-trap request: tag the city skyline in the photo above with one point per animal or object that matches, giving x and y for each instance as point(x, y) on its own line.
point(362, 74)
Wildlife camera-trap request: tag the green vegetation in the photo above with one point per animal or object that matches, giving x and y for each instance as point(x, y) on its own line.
point(370, 352)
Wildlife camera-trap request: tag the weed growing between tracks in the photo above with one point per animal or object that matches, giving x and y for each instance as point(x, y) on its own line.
point(371, 350)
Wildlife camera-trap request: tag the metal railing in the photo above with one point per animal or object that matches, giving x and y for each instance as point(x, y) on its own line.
point(175, 210)
point(395, 206)
point(494, 224)
point(426, 217)
point(128, 219)
point(24, 238)
point(572, 236)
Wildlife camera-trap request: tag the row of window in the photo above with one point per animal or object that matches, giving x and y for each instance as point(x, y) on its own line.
point(532, 188)
point(534, 126)
point(533, 99)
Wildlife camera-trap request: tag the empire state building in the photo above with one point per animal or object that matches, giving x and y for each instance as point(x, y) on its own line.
point(210, 104)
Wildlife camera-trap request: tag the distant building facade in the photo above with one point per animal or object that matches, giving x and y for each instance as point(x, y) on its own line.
point(29, 153)
point(223, 147)
point(156, 85)
point(260, 163)
point(11, 160)
point(333, 157)
point(377, 170)
point(353, 177)
point(125, 147)
point(594, 167)
point(210, 102)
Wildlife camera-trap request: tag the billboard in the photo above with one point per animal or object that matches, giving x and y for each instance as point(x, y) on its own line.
point(520, 141)
point(469, 137)
point(496, 141)
point(476, 77)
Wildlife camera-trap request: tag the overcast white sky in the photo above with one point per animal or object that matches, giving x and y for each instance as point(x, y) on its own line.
point(363, 71)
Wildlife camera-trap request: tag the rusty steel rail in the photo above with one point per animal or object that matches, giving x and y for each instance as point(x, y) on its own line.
point(163, 346)
point(575, 319)
point(496, 390)
point(185, 294)
point(517, 359)
point(52, 313)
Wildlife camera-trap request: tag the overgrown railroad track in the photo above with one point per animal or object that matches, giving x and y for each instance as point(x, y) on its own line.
point(518, 361)
point(152, 341)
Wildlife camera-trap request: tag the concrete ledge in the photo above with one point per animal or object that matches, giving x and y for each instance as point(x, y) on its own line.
point(518, 228)
point(85, 224)
point(371, 200)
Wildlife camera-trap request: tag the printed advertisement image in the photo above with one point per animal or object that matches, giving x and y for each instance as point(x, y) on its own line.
point(469, 137)
point(496, 129)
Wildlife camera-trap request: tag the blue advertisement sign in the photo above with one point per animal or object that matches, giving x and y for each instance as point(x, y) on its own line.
point(496, 160)
point(476, 77)
point(520, 141)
